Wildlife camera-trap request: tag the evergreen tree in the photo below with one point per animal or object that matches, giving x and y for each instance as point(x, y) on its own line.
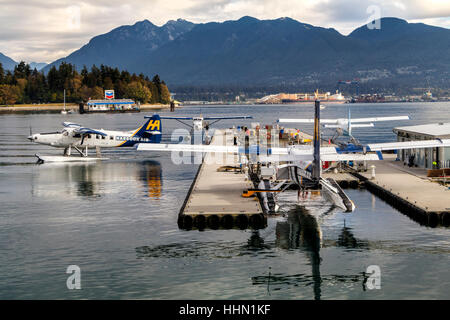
point(84, 75)
point(24, 85)
point(157, 81)
point(2, 74)
point(22, 70)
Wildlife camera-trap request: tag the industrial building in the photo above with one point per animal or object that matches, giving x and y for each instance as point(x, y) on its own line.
point(428, 158)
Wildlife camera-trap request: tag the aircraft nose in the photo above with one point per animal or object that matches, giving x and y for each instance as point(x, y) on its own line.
point(31, 138)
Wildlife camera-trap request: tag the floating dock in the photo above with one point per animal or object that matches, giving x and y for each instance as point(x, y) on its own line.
point(415, 195)
point(215, 198)
point(344, 179)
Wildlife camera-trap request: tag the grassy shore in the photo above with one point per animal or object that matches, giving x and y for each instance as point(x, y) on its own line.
point(60, 106)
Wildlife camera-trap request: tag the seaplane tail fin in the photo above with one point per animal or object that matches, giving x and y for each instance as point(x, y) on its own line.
point(151, 129)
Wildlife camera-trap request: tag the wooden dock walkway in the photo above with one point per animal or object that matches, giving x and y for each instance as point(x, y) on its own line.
point(215, 199)
point(344, 179)
point(412, 194)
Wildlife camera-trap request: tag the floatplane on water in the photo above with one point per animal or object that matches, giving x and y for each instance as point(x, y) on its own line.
point(74, 137)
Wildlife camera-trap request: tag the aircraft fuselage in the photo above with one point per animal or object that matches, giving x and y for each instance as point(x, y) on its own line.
point(67, 138)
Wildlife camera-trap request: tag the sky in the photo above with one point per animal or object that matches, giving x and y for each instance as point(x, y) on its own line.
point(43, 31)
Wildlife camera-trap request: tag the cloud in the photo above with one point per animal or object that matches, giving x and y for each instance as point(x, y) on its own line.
point(34, 30)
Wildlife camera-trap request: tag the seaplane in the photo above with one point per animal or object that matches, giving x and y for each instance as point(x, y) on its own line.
point(74, 137)
point(302, 164)
point(200, 125)
point(343, 126)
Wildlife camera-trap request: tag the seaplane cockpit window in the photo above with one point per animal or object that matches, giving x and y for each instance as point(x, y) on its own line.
point(89, 136)
point(65, 133)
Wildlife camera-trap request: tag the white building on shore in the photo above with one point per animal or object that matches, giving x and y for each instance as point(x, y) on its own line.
point(424, 158)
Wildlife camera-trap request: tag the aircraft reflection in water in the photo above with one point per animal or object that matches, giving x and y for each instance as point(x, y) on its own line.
point(301, 230)
point(97, 179)
point(298, 230)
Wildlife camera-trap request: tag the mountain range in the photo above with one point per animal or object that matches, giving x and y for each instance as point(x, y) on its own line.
point(253, 52)
point(9, 64)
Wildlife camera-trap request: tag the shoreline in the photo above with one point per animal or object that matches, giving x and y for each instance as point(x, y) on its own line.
point(54, 107)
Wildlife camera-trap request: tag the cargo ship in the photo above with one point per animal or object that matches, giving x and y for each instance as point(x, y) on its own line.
point(326, 97)
point(299, 98)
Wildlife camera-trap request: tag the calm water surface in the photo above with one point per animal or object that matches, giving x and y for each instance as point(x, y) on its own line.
point(116, 220)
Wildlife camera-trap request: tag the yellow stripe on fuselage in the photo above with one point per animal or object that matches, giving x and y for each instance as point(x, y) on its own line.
point(130, 136)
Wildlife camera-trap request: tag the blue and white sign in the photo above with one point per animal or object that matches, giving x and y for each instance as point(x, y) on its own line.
point(109, 94)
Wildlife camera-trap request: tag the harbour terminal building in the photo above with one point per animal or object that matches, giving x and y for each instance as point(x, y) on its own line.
point(427, 158)
point(112, 105)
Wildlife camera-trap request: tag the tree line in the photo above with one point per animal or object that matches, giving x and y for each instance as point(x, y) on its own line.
point(24, 85)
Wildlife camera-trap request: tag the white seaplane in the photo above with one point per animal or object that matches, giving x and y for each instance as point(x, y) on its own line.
point(344, 126)
point(200, 125)
point(81, 139)
point(303, 164)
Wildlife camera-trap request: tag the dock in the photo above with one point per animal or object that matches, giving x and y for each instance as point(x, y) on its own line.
point(409, 191)
point(344, 179)
point(215, 198)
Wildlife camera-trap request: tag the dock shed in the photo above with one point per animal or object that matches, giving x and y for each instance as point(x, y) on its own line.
point(429, 158)
point(112, 105)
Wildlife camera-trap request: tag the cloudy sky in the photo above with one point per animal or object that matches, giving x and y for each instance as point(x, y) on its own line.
point(43, 31)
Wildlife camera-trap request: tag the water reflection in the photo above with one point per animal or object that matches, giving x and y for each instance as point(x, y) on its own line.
point(151, 175)
point(98, 179)
point(206, 250)
point(302, 230)
point(299, 231)
point(347, 239)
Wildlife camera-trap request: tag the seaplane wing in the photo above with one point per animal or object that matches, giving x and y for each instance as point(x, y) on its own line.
point(186, 148)
point(331, 121)
point(344, 120)
point(302, 153)
point(173, 118)
point(375, 119)
point(225, 118)
point(85, 131)
point(360, 125)
point(408, 145)
point(266, 154)
point(323, 157)
point(71, 125)
point(205, 118)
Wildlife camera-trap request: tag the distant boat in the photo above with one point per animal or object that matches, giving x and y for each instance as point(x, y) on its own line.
point(64, 111)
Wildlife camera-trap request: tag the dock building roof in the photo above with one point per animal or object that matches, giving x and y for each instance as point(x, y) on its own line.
point(432, 130)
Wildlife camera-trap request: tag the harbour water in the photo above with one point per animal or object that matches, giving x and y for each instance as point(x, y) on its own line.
point(117, 220)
